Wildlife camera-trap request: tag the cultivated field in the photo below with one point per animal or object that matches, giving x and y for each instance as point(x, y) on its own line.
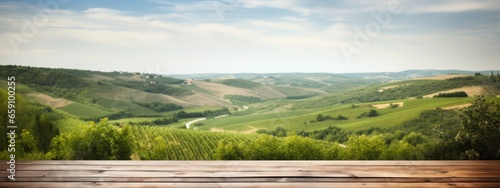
point(242, 117)
point(303, 119)
point(220, 90)
point(85, 111)
point(470, 90)
point(50, 101)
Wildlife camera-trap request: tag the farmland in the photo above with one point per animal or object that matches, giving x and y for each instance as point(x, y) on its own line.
point(243, 114)
point(176, 144)
point(85, 111)
point(299, 119)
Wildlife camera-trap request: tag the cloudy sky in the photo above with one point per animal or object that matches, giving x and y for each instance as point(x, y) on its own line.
point(234, 36)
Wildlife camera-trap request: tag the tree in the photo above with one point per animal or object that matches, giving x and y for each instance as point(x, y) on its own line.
point(159, 149)
point(44, 130)
point(3, 119)
point(453, 94)
point(124, 143)
point(372, 113)
point(95, 141)
point(27, 143)
point(479, 136)
point(279, 132)
point(299, 148)
point(341, 117)
point(266, 147)
point(402, 151)
point(228, 151)
point(364, 148)
point(320, 117)
point(415, 138)
point(332, 134)
point(27, 147)
point(60, 148)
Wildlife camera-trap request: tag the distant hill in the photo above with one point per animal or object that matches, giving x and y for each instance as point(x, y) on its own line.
point(402, 75)
point(93, 94)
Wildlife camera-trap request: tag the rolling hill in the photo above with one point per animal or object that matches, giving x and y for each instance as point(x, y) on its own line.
point(243, 105)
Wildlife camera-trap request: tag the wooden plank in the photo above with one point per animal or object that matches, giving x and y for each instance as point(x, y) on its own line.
point(348, 173)
point(250, 168)
point(258, 163)
point(253, 174)
point(253, 179)
point(142, 185)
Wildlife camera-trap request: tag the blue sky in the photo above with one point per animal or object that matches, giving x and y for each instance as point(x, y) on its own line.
point(235, 36)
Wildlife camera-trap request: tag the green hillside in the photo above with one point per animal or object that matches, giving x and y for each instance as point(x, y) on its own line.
point(407, 89)
point(241, 83)
point(301, 119)
point(96, 94)
point(78, 114)
point(297, 92)
point(84, 111)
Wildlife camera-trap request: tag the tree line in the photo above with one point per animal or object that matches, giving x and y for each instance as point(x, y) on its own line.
point(160, 107)
point(241, 100)
point(452, 94)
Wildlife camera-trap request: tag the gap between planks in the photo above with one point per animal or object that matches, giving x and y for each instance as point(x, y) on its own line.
point(289, 185)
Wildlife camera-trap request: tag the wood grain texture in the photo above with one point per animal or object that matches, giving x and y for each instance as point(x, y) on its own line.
point(253, 174)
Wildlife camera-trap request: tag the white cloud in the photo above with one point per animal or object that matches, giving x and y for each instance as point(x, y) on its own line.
point(277, 26)
point(292, 5)
point(455, 6)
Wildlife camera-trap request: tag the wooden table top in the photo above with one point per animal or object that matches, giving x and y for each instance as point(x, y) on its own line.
point(53, 174)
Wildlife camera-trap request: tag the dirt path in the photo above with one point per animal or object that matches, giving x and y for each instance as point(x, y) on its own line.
point(380, 106)
point(249, 131)
point(217, 130)
point(243, 108)
point(221, 116)
point(188, 124)
point(457, 106)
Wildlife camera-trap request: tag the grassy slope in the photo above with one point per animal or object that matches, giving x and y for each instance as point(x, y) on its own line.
point(220, 90)
point(123, 94)
point(411, 88)
point(266, 92)
point(84, 111)
point(3, 84)
point(296, 91)
point(101, 96)
point(240, 83)
point(294, 120)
